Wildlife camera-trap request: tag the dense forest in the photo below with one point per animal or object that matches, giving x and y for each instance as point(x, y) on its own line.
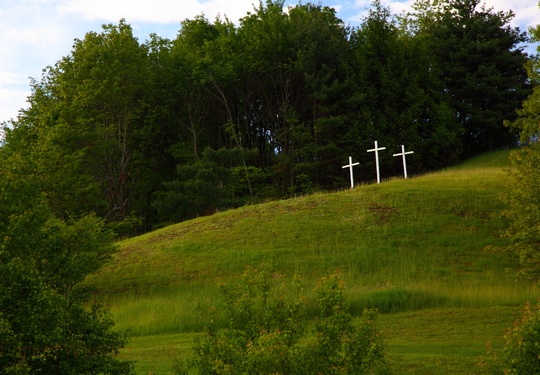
point(270, 106)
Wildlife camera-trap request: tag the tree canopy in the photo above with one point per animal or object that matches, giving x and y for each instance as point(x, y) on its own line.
point(482, 66)
point(269, 107)
point(46, 326)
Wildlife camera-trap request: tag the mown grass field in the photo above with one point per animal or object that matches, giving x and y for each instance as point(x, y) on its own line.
point(415, 249)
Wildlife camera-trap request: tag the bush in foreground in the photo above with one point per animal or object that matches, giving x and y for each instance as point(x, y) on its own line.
point(270, 332)
point(46, 323)
point(521, 354)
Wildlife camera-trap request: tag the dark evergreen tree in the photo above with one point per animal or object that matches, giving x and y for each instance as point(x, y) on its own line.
point(295, 91)
point(323, 54)
point(398, 99)
point(482, 65)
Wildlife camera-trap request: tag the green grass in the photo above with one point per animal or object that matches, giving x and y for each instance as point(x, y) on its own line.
point(414, 249)
point(444, 341)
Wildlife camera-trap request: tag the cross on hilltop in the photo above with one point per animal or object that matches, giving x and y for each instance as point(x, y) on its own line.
point(376, 150)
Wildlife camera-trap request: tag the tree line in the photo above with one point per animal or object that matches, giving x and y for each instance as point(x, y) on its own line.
point(146, 134)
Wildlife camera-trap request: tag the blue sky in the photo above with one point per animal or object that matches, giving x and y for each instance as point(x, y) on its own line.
point(36, 33)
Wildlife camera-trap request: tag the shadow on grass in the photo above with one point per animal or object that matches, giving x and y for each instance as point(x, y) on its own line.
point(394, 300)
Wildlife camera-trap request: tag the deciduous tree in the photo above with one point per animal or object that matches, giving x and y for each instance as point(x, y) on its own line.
point(45, 324)
point(524, 196)
point(83, 124)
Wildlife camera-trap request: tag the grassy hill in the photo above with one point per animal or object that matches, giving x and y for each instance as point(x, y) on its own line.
point(414, 249)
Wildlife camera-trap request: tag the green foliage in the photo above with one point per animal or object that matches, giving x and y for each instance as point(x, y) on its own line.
point(521, 353)
point(45, 326)
point(524, 210)
point(528, 122)
point(295, 91)
point(271, 332)
point(524, 197)
point(84, 123)
point(131, 226)
point(401, 96)
point(218, 180)
point(482, 66)
point(120, 128)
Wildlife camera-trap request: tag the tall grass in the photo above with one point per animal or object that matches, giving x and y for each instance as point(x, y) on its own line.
point(173, 311)
point(165, 311)
point(402, 246)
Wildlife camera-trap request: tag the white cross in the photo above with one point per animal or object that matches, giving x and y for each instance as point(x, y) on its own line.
point(376, 149)
point(403, 153)
point(350, 166)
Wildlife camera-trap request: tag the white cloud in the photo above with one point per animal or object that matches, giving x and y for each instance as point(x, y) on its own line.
point(527, 11)
point(154, 11)
point(338, 8)
point(40, 35)
point(14, 90)
point(11, 99)
point(32, 36)
point(359, 10)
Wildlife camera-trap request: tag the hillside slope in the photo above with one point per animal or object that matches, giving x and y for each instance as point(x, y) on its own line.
point(411, 248)
point(429, 228)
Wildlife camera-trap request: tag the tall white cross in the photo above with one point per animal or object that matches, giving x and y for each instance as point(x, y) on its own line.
point(350, 166)
point(403, 153)
point(376, 150)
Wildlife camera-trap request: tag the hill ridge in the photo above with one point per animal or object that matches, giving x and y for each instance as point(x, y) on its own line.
point(414, 249)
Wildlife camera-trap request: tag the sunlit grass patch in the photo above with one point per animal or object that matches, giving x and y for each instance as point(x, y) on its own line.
point(412, 248)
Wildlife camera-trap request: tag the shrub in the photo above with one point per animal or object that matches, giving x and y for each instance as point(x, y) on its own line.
point(521, 354)
point(270, 332)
